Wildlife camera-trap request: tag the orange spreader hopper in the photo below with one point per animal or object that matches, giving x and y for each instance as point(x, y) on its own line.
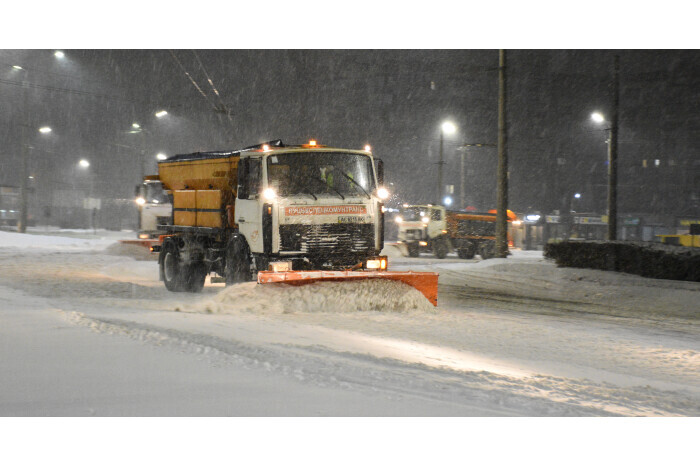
point(425, 282)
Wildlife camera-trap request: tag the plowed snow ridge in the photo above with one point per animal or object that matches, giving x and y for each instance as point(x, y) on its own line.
point(339, 297)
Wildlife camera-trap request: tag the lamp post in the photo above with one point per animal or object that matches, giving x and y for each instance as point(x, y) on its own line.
point(446, 128)
point(612, 150)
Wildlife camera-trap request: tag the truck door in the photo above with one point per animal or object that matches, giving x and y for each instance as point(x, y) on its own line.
point(437, 222)
point(248, 205)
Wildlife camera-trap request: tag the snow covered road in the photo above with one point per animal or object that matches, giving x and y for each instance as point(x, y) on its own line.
point(86, 328)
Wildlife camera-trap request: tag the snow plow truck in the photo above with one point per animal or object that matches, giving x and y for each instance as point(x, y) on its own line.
point(432, 228)
point(293, 214)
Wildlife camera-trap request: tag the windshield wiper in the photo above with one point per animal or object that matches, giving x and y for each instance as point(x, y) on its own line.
point(353, 181)
point(311, 193)
point(319, 179)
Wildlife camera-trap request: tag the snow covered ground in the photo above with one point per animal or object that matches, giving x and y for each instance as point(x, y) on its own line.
point(86, 328)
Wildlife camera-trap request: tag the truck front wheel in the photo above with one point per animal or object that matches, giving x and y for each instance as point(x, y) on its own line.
point(413, 250)
point(237, 262)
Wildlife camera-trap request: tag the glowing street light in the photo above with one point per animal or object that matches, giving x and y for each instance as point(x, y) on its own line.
point(161, 157)
point(577, 195)
point(45, 129)
point(448, 128)
point(59, 54)
point(597, 117)
point(17, 67)
point(135, 126)
point(84, 163)
point(161, 113)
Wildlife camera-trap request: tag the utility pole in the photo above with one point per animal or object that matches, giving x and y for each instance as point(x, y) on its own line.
point(24, 195)
point(440, 164)
point(462, 189)
point(612, 153)
point(502, 175)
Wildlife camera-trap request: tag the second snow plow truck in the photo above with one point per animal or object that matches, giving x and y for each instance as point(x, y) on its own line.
point(434, 228)
point(291, 214)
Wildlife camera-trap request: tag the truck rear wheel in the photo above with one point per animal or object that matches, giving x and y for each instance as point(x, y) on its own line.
point(467, 251)
point(486, 251)
point(195, 275)
point(413, 250)
point(237, 262)
point(171, 270)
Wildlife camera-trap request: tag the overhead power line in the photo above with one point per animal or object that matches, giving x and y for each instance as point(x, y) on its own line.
point(194, 83)
point(223, 108)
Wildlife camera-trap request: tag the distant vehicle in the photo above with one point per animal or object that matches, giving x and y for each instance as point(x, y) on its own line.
point(10, 197)
point(432, 228)
point(154, 208)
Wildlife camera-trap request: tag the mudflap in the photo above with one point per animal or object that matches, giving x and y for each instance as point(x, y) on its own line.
point(425, 282)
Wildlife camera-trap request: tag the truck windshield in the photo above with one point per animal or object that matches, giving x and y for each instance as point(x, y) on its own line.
point(155, 194)
point(414, 214)
point(320, 174)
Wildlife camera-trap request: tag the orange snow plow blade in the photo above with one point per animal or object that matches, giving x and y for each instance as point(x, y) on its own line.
point(425, 282)
point(144, 242)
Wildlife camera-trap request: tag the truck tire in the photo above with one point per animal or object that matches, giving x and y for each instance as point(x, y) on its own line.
point(171, 269)
point(466, 252)
point(440, 248)
point(237, 261)
point(195, 276)
point(486, 251)
point(413, 250)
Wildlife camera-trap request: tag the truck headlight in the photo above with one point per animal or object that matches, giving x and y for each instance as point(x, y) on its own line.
point(269, 194)
point(425, 220)
point(398, 219)
point(379, 263)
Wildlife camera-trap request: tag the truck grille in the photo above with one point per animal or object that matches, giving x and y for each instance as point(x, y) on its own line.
point(414, 234)
point(327, 239)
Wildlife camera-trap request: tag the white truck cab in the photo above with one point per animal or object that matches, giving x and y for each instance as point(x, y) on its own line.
point(319, 204)
point(423, 228)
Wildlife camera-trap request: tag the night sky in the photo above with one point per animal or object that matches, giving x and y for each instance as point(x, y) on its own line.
point(394, 100)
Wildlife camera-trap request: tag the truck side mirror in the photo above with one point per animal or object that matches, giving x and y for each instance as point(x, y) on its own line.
point(380, 172)
point(243, 169)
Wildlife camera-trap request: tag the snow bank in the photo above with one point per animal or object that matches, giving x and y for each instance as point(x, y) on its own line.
point(18, 240)
point(336, 297)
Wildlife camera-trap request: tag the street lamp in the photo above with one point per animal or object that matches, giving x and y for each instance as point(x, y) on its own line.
point(597, 117)
point(446, 128)
point(161, 157)
point(161, 113)
point(84, 163)
point(45, 129)
point(59, 54)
